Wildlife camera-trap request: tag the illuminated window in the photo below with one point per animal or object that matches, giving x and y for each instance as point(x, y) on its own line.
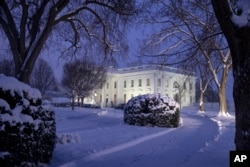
point(139, 83)
point(132, 83)
point(148, 82)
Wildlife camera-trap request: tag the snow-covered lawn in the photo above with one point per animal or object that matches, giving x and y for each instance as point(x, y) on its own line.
point(99, 137)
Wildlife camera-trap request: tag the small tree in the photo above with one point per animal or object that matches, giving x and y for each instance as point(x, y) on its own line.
point(91, 77)
point(82, 77)
point(205, 79)
point(42, 76)
point(70, 80)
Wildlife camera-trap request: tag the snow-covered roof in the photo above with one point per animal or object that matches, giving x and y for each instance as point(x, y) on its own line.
point(150, 68)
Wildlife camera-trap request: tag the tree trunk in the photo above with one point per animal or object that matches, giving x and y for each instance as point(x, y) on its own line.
point(78, 101)
point(239, 44)
point(241, 94)
point(26, 59)
point(73, 103)
point(201, 105)
point(24, 67)
point(24, 77)
point(241, 90)
point(24, 74)
point(222, 100)
point(82, 101)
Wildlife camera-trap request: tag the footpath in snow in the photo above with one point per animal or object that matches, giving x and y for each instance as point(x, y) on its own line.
point(100, 138)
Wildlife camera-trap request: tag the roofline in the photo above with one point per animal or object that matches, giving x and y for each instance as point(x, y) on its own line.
point(149, 67)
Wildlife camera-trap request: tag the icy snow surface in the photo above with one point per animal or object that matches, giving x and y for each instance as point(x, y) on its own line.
point(98, 138)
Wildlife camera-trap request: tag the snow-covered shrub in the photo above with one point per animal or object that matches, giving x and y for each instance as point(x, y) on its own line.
point(27, 128)
point(152, 110)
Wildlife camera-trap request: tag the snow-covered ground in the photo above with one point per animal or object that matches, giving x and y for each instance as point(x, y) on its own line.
point(98, 138)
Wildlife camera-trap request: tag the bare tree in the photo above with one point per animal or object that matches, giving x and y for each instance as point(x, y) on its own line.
point(91, 77)
point(188, 30)
point(199, 65)
point(82, 77)
point(28, 24)
point(233, 17)
point(43, 77)
point(70, 80)
point(204, 81)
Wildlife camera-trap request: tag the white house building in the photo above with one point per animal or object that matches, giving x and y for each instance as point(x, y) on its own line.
point(125, 83)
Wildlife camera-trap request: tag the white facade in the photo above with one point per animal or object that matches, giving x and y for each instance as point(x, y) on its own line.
point(123, 84)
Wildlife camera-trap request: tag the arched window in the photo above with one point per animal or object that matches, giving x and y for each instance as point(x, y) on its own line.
point(176, 85)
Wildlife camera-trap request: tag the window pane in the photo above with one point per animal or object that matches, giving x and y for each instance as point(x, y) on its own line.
point(139, 83)
point(148, 82)
point(159, 82)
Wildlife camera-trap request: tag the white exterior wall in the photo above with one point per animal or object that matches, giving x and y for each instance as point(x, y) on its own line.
point(122, 94)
